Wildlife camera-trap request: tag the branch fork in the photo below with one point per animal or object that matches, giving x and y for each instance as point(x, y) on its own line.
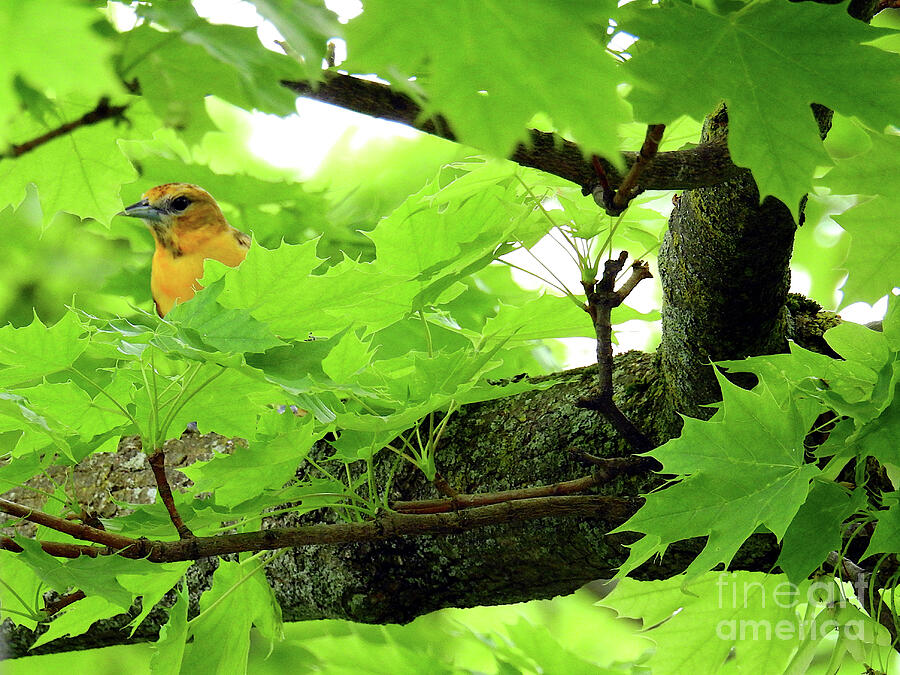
point(614, 202)
point(602, 297)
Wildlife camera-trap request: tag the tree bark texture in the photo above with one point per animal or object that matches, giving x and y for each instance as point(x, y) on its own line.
point(724, 266)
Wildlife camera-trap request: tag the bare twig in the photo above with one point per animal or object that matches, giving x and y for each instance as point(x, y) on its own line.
point(701, 166)
point(466, 501)
point(606, 468)
point(628, 189)
point(88, 518)
point(618, 466)
point(102, 111)
point(444, 487)
point(55, 548)
point(602, 297)
point(158, 464)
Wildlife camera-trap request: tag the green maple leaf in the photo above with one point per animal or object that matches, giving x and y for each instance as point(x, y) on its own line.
point(876, 170)
point(776, 66)
point(306, 27)
point(70, 406)
point(741, 469)
point(241, 598)
point(46, 63)
point(36, 350)
point(80, 172)
point(725, 616)
point(178, 69)
point(816, 530)
point(227, 330)
point(489, 70)
point(279, 288)
point(874, 256)
point(887, 530)
point(251, 471)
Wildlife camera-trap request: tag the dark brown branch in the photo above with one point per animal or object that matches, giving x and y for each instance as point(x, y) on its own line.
point(465, 501)
point(158, 464)
point(612, 467)
point(54, 548)
point(102, 111)
point(444, 487)
point(602, 297)
point(76, 530)
point(606, 468)
point(628, 190)
point(386, 526)
point(701, 166)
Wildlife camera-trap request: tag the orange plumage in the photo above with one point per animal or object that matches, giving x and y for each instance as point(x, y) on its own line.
point(188, 227)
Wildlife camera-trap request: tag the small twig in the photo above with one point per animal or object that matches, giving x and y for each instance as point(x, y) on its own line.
point(88, 518)
point(614, 202)
point(602, 297)
point(848, 568)
point(604, 194)
point(62, 602)
point(618, 466)
point(158, 464)
point(102, 112)
point(628, 189)
point(467, 501)
point(443, 486)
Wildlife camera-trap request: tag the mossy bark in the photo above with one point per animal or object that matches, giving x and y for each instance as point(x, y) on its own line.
point(724, 271)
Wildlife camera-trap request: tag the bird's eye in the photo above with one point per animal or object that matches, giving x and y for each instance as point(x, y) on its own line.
point(180, 203)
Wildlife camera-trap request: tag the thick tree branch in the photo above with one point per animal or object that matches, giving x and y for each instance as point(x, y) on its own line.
point(724, 267)
point(701, 166)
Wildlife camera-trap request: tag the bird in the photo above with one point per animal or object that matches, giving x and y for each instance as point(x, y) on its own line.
point(188, 228)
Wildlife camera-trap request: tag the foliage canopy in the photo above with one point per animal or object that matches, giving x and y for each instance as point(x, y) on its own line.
point(399, 262)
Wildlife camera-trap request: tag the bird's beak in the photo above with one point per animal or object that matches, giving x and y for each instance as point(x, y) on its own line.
point(142, 209)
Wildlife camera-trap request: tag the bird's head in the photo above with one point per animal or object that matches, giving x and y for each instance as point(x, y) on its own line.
point(176, 208)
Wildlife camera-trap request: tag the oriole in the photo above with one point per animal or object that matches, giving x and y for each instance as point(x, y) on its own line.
point(188, 227)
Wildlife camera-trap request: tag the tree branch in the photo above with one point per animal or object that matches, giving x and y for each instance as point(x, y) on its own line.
point(385, 526)
point(701, 166)
point(614, 202)
point(77, 530)
point(102, 111)
point(602, 298)
point(158, 465)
